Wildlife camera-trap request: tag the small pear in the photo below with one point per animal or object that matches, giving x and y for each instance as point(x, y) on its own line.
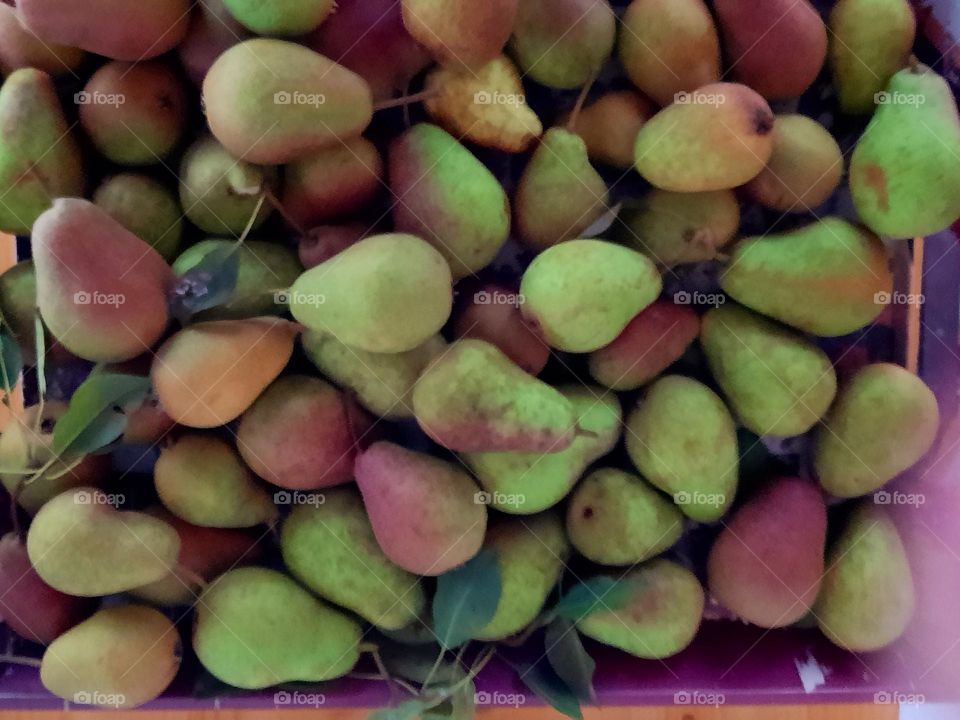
point(213, 31)
point(19, 48)
point(330, 547)
point(425, 512)
point(18, 305)
point(146, 208)
point(462, 33)
point(280, 17)
point(609, 126)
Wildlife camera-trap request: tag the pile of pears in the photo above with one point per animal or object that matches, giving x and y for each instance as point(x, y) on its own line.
point(366, 317)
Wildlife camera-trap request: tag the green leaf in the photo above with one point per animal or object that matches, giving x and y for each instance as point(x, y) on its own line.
point(91, 422)
point(404, 711)
point(569, 659)
point(598, 592)
point(466, 599)
point(549, 687)
point(415, 663)
point(208, 284)
point(11, 359)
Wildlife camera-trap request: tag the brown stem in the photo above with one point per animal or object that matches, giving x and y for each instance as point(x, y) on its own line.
point(278, 206)
point(581, 101)
point(405, 100)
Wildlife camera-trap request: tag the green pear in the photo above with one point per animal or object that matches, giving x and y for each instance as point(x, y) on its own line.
point(81, 545)
point(448, 197)
point(39, 157)
point(523, 483)
point(616, 518)
point(330, 547)
point(531, 554)
point(461, 33)
point(866, 600)
point(280, 17)
point(904, 174)
point(870, 41)
point(18, 305)
point(121, 657)
point(660, 619)
point(884, 421)
point(560, 193)
point(146, 208)
point(256, 627)
point(582, 293)
point(473, 399)
point(682, 439)
point(385, 294)
point(383, 383)
point(776, 381)
point(828, 278)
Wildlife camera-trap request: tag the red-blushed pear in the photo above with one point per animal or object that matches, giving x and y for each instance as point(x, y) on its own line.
point(324, 241)
point(19, 48)
point(463, 33)
point(101, 290)
point(213, 31)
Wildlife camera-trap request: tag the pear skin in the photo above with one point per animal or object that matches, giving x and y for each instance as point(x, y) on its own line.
point(146, 208)
point(280, 17)
point(19, 48)
point(461, 33)
point(324, 241)
point(609, 126)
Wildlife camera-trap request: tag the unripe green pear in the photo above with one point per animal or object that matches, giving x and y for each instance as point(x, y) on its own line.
point(609, 126)
point(461, 33)
point(330, 547)
point(20, 48)
point(18, 306)
point(146, 208)
point(280, 17)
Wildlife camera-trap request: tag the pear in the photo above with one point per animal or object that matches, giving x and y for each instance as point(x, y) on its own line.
point(101, 290)
point(256, 627)
point(473, 399)
point(904, 177)
point(867, 597)
point(767, 563)
point(669, 47)
point(448, 197)
point(682, 439)
point(870, 41)
point(674, 228)
point(828, 278)
point(18, 305)
point(146, 208)
point(776, 381)
point(650, 343)
point(330, 547)
point(805, 168)
point(147, 424)
point(615, 518)
point(716, 138)
point(425, 513)
point(39, 157)
point(324, 241)
point(82, 546)
point(280, 17)
point(209, 373)
point(381, 382)
point(560, 193)
point(884, 421)
point(777, 48)
point(213, 31)
point(271, 101)
point(661, 618)
point(386, 294)
point(302, 434)
point(531, 555)
point(19, 48)
point(609, 126)
point(562, 43)
point(461, 33)
point(122, 657)
point(581, 294)
point(523, 483)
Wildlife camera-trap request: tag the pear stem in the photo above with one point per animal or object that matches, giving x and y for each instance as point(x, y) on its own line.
point(435, 668)
point(581, 101)
point(384, 673)
point(19, 660)
point(278, 206)
point(405, 100)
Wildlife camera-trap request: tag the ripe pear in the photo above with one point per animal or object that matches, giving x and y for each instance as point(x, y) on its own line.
point(462, 33)
point(655, 339)
point(776, 381)
point(220, 193)
point(145, 207)
point(870, 41)
point(884, 421)
point(209, 373)
point(523, 483)
point(673, 228)
point(147, 424)
point(18, 305)
point(682, 439)
point(531, 555)
point(828, 278)
point(19, 48)
point(39, 157)
point(271, 101)
point(562, 43)
point(661, 618)
point(615, 518)
point(867, 597)
point(213, 31)
point(716, 138)
point(81, 545)
point(425, 512)
point(473, 399)
point(101, 290)
point(669, 47)
point(767, 563)
point(302, 434)
point(122, 657)
point(904, 177)
point(777, 47)
point(256, 627)
point(324, 241)
point(330, 547)
point(448, 197)
point(280, 17)
point(609, 126)
point(381, 382)
point(386, 294)
point(582, 293)
point(560, 193)
point(805, 168)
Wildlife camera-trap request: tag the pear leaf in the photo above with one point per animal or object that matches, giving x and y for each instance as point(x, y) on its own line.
point(407, 710)
point(461, 705)
point(92, 421)
point(569, 659)
point(549, 687)
point(208, 284)
point(466, 599)
point(11, 359)
point(598, 592)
